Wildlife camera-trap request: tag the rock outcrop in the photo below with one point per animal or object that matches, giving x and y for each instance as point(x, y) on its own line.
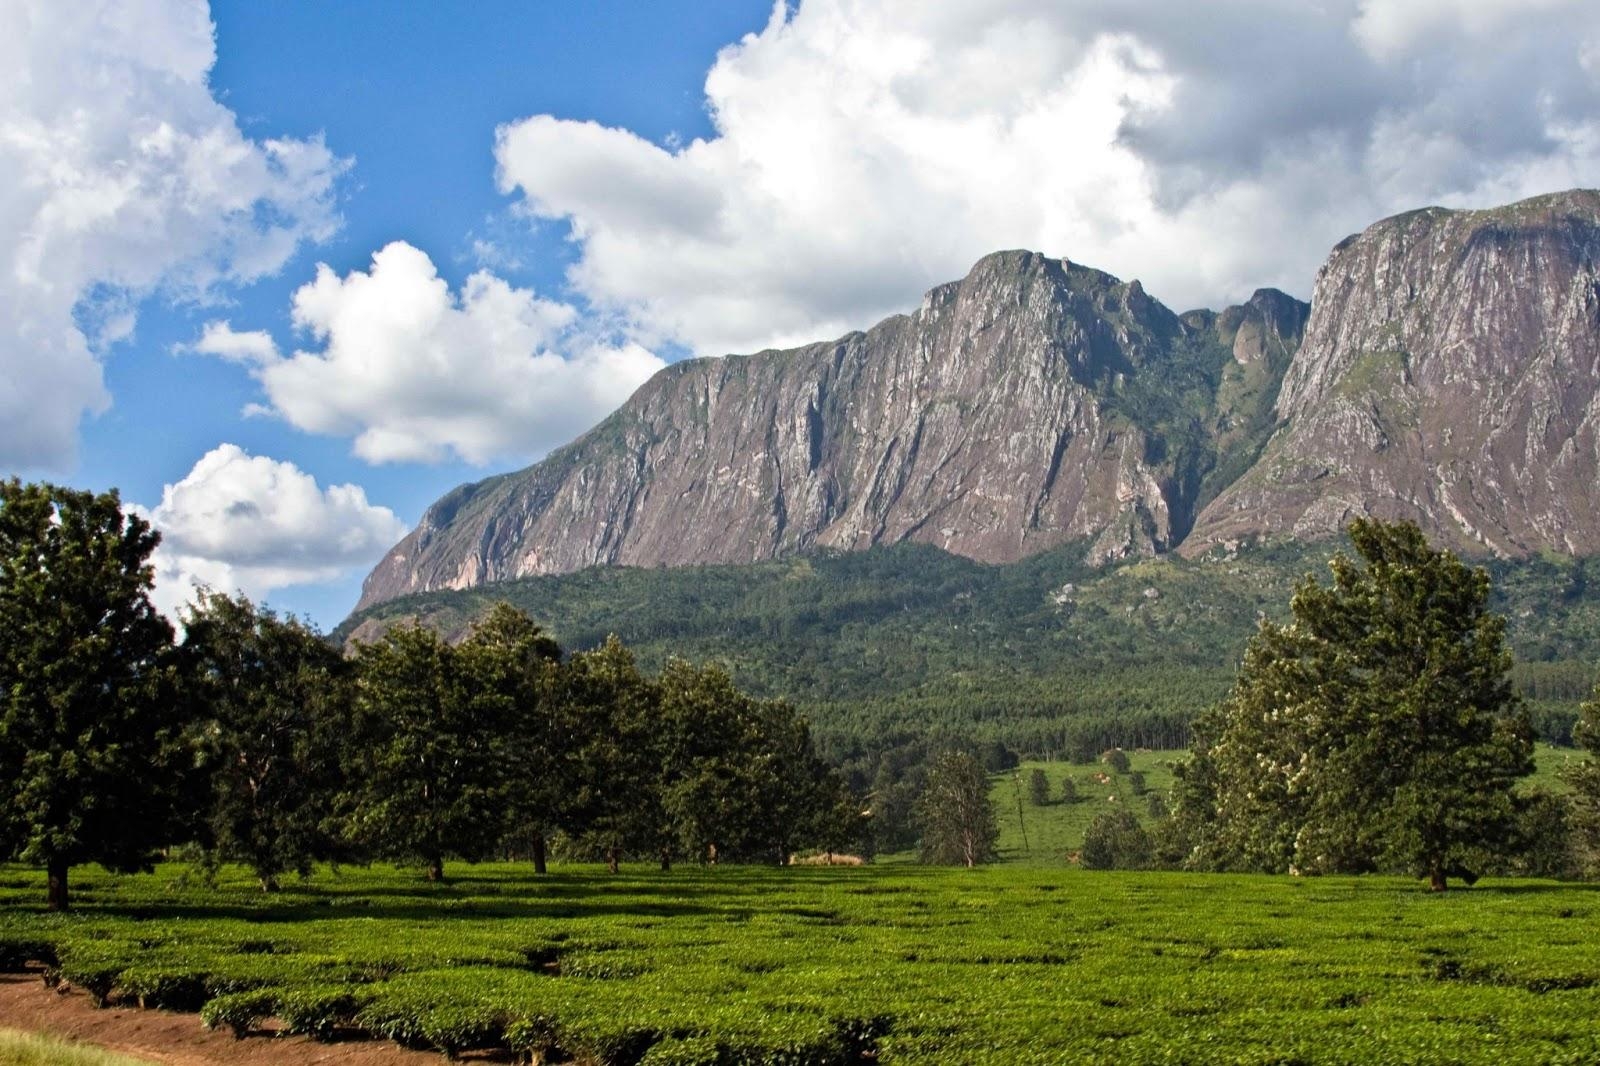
point(1034, 402)
point(1450, 375)
point(1446, 371)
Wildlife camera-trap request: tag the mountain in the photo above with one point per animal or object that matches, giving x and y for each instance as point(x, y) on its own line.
point(1447, 371)
point(1034, 403)
point(1450, 375)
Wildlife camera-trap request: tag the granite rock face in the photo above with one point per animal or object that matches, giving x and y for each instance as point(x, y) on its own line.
point(1450, 375)
point(1032, 403)
point(1446, 371)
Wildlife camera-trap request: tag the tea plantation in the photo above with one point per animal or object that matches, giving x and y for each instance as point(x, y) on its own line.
point(802, 965)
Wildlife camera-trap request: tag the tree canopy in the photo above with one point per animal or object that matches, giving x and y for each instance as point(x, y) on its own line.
point(1377, 729)
point(86, 710)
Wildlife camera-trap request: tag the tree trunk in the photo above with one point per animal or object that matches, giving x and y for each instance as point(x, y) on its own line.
point(540, 864)
point(711, 853)
point(613, 859)
point(666, 859)
point(56, 891)
point(436, 868)
point(1436, 882)
point(269, 883)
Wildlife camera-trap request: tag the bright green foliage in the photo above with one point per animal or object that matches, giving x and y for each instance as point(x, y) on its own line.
point(86, 714)
point(955, 814)
point(425, 769)
point(270, 705)
point(896, 964)
point(1376, 730)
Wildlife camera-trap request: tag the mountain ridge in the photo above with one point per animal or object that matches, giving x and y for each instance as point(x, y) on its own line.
point(1037, 402)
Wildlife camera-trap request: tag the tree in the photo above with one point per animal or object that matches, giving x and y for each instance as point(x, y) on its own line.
point(955, 814)
point(1583, 815)
point(1069, 790)
point(425, 768)
point(1038, 787)
point(1376, 730)
point(1115, 841)
point(513, 663)
point(616, 804)
point(87, 722)
point(272, 701)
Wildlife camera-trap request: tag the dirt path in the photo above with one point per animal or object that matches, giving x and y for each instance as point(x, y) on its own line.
point(179, 1039)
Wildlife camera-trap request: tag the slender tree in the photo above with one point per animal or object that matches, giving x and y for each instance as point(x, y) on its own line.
point(87, 718)
point(514, 665)
point(1584, 781)
point(955, 813)
point(271, 699)
point(616, 804)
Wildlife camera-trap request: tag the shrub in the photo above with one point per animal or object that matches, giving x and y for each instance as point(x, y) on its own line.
point(165, 987)
point(1116, 841)
point(1115, 758)
point(240, 1011)
point(320, 1012)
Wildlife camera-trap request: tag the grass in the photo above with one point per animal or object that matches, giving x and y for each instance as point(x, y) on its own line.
point(33, 1049)
point(1007, 964)
point(1054, 832)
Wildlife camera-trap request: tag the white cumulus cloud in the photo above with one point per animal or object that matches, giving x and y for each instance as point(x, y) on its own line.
point(123, 177)
point(414, 372)
point(866, 149)
point(238, 522)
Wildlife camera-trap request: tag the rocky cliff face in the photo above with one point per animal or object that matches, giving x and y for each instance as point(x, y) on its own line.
point(1032, 403)
point(1450, 375)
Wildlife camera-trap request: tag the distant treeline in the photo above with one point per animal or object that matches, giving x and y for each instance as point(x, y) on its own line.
point(1048, 656)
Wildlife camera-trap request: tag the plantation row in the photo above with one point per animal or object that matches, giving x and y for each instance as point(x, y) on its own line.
point(829, 966)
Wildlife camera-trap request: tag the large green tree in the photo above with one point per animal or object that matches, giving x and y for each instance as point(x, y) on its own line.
point(426, 767)
point(514, 665)
point(1376, 730)
point(87, 718)
point(270, 699)
point(616, 805)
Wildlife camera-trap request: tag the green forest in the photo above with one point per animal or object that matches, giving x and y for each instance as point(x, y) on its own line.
point(1049, 656)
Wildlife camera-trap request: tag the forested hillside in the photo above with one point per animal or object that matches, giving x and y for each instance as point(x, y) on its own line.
point(1049, 655)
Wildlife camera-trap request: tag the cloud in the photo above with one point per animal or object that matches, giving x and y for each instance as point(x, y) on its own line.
point(123, 177)
point(238, 522)
point(416, 373)
point(867, 149)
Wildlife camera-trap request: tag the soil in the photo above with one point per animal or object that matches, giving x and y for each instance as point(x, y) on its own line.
point(179, 1039)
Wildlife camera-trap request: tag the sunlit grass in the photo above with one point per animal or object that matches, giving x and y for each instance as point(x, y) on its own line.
point(32, 1049)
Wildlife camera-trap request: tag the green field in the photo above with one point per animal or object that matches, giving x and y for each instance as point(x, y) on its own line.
point(821, 965)
point(1055, 831)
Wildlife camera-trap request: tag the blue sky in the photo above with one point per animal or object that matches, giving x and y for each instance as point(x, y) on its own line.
point(285, 273)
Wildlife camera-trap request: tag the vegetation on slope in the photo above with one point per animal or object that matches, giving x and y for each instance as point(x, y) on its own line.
point(1045, 655)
